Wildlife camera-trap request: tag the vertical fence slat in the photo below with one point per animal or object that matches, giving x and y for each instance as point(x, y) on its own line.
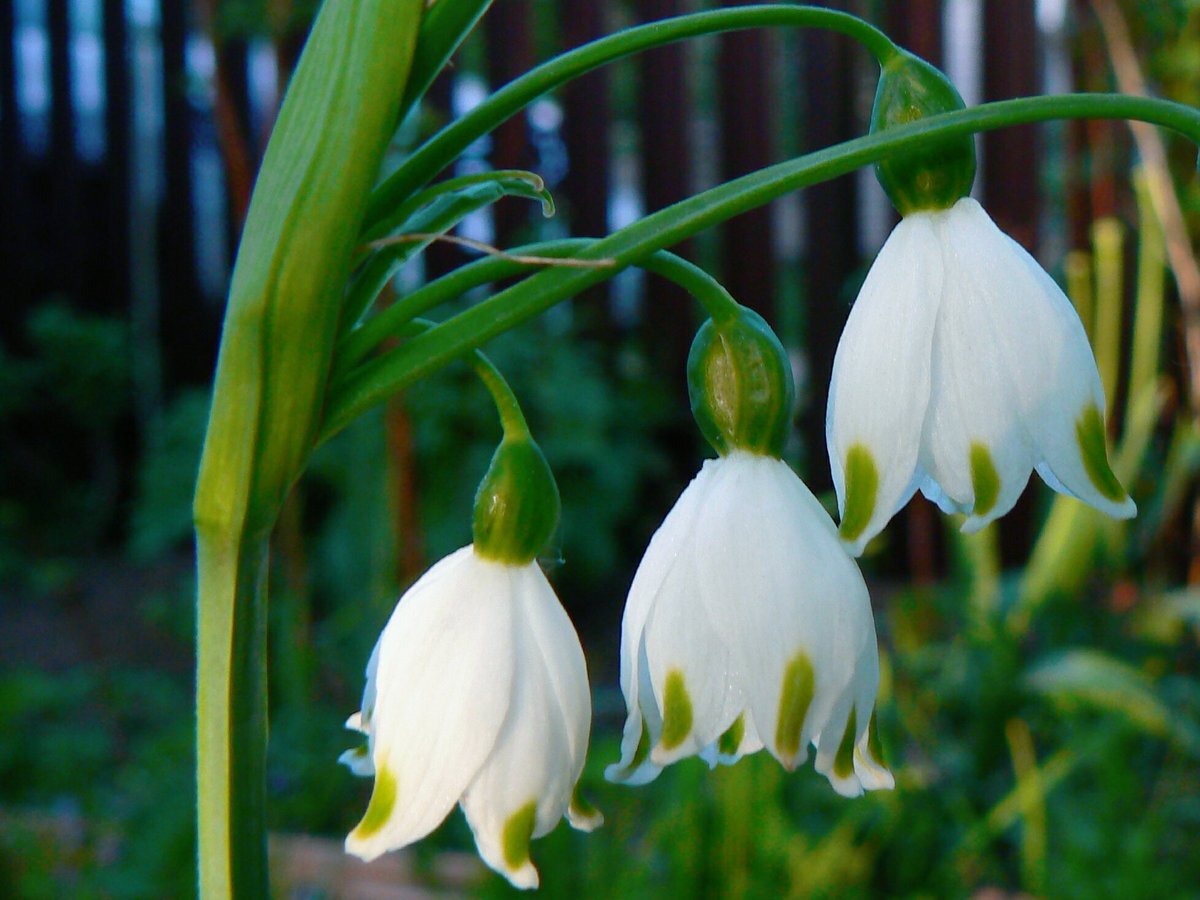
point(916, 25)
point(66, 236)
point(508, 30)
point(748, 259)
point(669, 315)
point(832, 224)
point(117, 125)
point(585, 133)
point(188, 330)
point(14, 216)
point(1010, 155)
point(439, 257)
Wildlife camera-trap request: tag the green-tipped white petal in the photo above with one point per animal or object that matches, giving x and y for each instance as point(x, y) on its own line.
point(747, 574)
point(975, 447)
point(880, 386)
point(477, 693)
point(1001, 381)
point(689, 662)
point(1056, 386)
point(525, 786)
point(643, 726)
point(444, 678)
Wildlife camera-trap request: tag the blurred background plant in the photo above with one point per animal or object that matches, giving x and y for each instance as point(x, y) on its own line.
point(1041, 688)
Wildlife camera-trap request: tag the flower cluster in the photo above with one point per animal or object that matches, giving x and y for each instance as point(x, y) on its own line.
point(748, 625)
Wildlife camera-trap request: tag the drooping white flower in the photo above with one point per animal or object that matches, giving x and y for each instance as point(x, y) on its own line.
point(962, 368)
point(477, 694)
point(747, 625)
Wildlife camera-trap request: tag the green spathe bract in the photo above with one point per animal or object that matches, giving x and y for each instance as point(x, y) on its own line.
point(517, 504)
point(280, 326)
point(940, 171)
point(740, 384)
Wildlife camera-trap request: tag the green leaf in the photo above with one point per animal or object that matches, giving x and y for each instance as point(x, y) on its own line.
point(301, 230)
point(1091, 678)
point(1168, 617)
point(436, 210)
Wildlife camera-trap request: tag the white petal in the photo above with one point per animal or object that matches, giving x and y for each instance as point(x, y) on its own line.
point(869, 768)
point(566, 669)
point(358, 761)
point(777, 580)
point(974, 443)
point(1048, 357)
point(368, 702)
point(525, 786)
point(871, 772)
point(444, 682)
point(642, 729)
point(833, 760)
point(881, 380)
point(660, 558)
point(689, 661)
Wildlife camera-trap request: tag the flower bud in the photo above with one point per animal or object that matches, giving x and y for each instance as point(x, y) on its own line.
point(517, 505)
point(940, 171)
point(740, 384)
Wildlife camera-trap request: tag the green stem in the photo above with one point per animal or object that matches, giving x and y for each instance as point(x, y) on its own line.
point(359, 343)
point(380, 378)
point(231, 709)
point(446, 146)
point(507, 406)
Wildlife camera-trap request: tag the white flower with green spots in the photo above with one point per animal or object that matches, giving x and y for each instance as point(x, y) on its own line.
point(962, 368)
point(477, 693)
point(747, 625)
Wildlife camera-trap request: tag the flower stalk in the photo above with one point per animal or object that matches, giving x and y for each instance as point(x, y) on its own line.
point(673, 224)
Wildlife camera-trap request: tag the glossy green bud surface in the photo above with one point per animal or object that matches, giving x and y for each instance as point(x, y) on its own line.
point(517, 504)
point(939, 172)
point(740, 384)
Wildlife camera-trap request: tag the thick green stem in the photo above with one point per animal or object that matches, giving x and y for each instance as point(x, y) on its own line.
point(444, 147)
point(231, 709)
point(380, 378)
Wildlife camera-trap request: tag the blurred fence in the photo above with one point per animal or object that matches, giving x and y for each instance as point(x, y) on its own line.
point(130, 130)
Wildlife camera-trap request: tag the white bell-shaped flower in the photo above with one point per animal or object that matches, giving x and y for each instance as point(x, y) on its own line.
point(476, 693)
point(962, 368)
point(747, 625)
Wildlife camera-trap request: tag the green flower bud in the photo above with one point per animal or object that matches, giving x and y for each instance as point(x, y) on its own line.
point(517, 505)
point(740, 384)
point(939, 172)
